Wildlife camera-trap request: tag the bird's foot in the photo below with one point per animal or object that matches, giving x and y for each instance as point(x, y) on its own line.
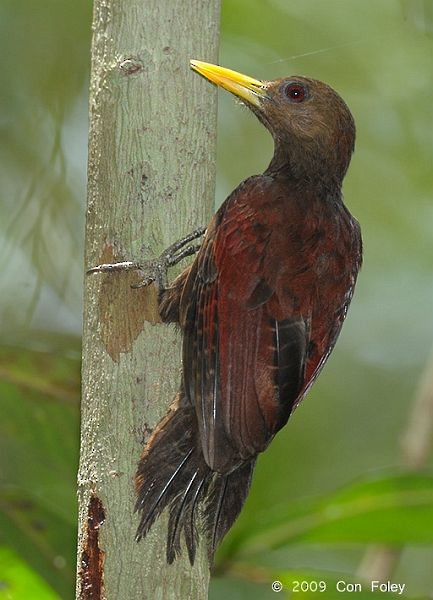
point(155, 271)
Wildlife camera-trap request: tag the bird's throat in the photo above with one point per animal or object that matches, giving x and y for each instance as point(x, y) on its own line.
point(305, 166)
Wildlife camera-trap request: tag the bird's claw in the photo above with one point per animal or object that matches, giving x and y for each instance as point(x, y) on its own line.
point(155, 271)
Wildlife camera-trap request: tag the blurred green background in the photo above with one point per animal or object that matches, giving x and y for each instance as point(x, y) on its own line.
point(335, 493)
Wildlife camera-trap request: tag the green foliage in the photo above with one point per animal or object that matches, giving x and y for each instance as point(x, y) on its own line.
point(18, 580)
point(332, 481)
point(39, 395)
point(363, 512)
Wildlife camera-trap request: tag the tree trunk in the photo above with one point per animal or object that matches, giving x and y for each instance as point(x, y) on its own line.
point(151, 180)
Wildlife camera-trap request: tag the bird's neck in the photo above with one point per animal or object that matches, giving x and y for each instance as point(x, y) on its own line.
point(305, 167)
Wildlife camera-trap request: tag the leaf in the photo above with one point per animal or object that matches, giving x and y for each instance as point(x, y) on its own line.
point(393, 509)
point(38, 461)
point(19, 581)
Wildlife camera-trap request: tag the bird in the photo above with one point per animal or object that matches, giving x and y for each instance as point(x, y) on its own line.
point(260, 309)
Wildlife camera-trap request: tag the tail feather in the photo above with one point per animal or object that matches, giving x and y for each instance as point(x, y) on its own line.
point(182, 518)
point(172, 473)
point(157, 499)
point(189, 527)
point(225, 502)
point(166, 456)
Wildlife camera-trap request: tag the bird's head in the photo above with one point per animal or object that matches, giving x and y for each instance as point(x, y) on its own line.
point(313, 129)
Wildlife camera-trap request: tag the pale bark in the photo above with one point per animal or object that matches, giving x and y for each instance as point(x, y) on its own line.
point(151, 180)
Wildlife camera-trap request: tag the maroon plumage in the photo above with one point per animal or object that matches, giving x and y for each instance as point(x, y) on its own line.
point(260, 309)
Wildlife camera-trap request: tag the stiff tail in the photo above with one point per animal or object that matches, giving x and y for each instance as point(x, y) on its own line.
point(173, 473)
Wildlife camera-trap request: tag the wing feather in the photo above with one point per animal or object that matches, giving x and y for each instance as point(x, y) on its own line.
point(248, 311)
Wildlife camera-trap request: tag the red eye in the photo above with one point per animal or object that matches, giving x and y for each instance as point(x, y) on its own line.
point(295, 92)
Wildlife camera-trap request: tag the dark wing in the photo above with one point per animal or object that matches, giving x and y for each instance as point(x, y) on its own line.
point(244, 350)
point(201, 347)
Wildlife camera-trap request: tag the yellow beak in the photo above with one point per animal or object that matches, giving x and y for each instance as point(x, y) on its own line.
point(247, 88)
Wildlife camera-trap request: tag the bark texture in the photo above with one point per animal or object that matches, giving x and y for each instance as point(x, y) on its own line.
point(151, 180)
